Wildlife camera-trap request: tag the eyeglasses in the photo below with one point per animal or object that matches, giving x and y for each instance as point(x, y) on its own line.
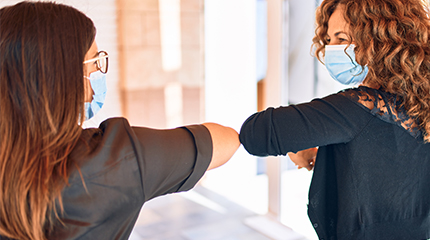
point(101, 61)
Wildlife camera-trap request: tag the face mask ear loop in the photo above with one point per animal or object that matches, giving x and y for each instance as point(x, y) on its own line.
point(350, 58)
point(353, 61)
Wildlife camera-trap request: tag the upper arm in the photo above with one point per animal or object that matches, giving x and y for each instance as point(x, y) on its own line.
point(172, 160)
point(334, 119)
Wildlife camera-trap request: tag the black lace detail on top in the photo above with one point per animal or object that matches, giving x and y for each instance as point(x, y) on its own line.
point(386, 106)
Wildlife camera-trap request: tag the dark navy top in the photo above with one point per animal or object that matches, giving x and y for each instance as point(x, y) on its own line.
point(123, 167)
point(372, 173)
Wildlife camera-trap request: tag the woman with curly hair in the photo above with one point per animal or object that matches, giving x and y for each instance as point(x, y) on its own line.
point(57, 180)
point(371, 173)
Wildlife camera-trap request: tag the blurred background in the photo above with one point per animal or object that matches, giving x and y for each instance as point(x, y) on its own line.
point(179, 62)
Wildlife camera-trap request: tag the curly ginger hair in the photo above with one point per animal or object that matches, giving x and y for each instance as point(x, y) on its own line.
point(392, 39)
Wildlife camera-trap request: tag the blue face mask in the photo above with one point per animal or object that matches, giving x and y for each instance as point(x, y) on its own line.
point(98, 84)
point(342, 67)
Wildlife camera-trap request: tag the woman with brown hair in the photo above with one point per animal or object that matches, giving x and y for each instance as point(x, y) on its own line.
point(371, 173)
point(57, 180)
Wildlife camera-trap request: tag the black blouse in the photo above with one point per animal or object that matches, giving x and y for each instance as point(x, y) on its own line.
point(371, 174)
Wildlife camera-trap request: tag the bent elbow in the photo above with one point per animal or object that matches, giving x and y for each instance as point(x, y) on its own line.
point(252, 144)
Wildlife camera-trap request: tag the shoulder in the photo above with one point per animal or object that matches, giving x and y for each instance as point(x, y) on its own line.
point(100, 149)
point(378, 102)
point(365, 96)
point(386, 106)
point(368, 97)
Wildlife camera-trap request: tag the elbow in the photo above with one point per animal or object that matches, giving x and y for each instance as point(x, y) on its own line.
point(256, 134)
point(254, 150)
point(225, 142)
point(252, 144)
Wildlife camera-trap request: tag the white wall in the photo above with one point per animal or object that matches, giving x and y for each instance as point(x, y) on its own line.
point(231, 87)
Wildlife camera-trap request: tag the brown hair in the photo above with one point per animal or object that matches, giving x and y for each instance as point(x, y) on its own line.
point(391, 38)
point(42, 49)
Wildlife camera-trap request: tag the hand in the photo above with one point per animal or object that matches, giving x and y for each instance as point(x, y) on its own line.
point(305, 158)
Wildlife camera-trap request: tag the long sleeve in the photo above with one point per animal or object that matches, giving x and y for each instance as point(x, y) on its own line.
point(277, 131)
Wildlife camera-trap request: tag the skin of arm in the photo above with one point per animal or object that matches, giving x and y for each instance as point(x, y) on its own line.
point(225, 141)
